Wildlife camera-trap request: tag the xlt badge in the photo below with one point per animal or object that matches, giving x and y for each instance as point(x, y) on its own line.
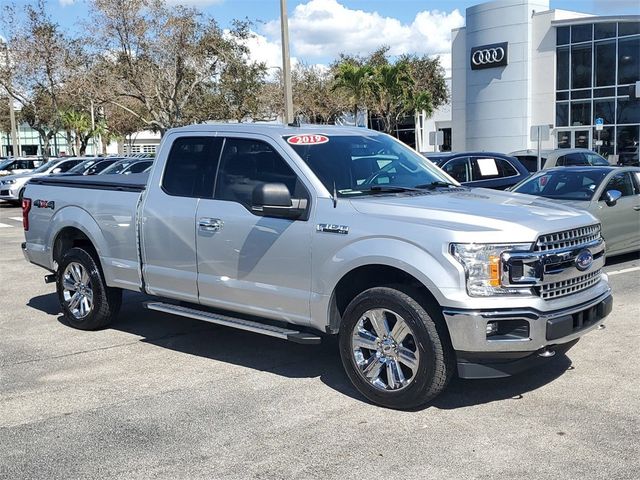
point(331, 228)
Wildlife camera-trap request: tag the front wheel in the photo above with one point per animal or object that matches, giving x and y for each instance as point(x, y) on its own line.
point(87, 302)
point(393, 351)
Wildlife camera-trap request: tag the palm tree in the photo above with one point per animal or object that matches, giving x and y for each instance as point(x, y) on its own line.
point(356, 82)
point(394, 96)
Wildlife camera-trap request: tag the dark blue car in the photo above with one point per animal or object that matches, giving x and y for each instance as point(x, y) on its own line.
point(480, 169)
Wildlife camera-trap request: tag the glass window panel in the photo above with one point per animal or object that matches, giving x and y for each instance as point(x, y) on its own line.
point(580, 113)
point(605, 63)
point(607, 137)
point(628, 60)
point(627, 144)
point(581, 33)
point(605, 109)
point(628, 110)
point(604, 92)
point(580, 66)
point(628, 28)
point(580, 94)
point(562, 35)
point(562, 95)
point(562, 68)
point(604, 30)
point(562, 114)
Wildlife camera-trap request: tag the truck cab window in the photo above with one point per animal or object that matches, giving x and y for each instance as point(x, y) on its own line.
point(191, 167)
point(247, 163)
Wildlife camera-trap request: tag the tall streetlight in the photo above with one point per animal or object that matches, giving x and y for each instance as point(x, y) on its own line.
point(12, 116)
point(286, 64)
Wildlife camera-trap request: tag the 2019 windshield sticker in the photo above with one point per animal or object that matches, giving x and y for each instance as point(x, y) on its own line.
point(308, 139)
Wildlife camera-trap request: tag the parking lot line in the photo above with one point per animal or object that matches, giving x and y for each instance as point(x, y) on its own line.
point(17, 219)
point(4, 225)
point(624, 270)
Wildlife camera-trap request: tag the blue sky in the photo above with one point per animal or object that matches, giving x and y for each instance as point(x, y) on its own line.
point(321, 29)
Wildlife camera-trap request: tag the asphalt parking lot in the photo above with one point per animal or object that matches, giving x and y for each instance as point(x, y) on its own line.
point(156, 396)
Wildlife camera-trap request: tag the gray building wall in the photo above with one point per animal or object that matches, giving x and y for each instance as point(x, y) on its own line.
point(492, 108)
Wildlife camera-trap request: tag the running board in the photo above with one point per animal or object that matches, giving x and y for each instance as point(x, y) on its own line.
point(239, 323)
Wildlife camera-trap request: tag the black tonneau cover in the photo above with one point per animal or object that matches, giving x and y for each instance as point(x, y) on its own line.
point(136, 182)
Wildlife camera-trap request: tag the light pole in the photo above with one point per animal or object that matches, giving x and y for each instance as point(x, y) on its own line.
point(286, 64)
point(12, 115)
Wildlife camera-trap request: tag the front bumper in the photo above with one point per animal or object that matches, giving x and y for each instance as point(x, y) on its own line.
point(527, 330)
point(9, 194)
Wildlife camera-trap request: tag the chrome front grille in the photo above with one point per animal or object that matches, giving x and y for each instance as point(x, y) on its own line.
point(567, 287)
point(568, 238)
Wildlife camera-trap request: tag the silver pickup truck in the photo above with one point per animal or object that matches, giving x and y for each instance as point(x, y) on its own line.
point(300, 232)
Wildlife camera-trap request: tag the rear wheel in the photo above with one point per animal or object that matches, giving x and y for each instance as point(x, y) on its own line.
point(87, 302)
point(393, 351)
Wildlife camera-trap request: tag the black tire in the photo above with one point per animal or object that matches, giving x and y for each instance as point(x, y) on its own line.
point(106, 301)
point(428, 336)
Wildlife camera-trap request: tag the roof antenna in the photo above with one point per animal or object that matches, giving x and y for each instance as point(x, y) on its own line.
point(335, 195)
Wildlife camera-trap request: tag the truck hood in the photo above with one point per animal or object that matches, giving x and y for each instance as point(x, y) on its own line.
point(481, 215)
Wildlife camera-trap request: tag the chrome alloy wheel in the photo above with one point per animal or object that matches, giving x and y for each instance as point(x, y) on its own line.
point(384, 349)
point(77, 291)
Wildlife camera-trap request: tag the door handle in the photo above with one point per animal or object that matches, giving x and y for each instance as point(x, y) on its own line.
point(636, 208)
point(210, 224)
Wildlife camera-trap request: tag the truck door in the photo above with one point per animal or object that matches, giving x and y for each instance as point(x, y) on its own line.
point(248, 262)
point(168, 233)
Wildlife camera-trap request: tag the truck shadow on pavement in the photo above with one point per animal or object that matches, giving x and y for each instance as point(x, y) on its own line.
point(258, 352)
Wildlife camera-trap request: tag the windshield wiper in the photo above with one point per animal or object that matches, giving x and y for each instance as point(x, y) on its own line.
point(434, 185)
point(390, 189)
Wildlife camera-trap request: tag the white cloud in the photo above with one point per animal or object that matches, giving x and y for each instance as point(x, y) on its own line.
point(322, 29)
point(65, 3)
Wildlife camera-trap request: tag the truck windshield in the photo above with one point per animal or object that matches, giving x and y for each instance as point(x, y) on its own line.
point(366, 164)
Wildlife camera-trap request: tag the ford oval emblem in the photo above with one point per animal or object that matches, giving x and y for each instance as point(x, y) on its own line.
point(584, 260)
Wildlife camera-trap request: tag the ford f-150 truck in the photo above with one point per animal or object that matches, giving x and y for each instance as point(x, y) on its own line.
point(299, 232)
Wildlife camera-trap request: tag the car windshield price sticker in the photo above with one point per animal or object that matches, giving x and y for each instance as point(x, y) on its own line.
point(307, 139)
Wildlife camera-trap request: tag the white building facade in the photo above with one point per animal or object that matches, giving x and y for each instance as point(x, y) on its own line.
point(518, 64)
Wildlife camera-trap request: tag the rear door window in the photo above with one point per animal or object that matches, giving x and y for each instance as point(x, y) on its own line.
point(191, 167)
point(596, 160)
point(572, 159)
point(459, 168)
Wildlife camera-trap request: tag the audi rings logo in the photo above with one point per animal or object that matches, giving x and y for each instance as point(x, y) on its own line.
point(489, 56)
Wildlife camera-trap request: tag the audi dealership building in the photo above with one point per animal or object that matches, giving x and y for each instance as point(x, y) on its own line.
point(518, 64)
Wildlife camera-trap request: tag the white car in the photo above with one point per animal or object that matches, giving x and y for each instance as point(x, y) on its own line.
point(12, 186)
point(16, 166)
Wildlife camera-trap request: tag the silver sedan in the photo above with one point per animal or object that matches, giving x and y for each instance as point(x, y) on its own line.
point(611, 194)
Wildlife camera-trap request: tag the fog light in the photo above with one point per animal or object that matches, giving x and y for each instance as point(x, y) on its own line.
point(492, 328)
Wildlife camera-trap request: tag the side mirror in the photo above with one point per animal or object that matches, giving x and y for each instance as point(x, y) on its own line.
point(611, 197)
point(274, 200)
point(56, 170)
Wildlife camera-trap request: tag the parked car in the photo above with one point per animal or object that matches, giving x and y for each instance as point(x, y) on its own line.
point(611, 194)
point(91, 166)
point(561, 157)
point(16, 166)
point(12, 186)
point(301, 232)
point(480, 169)
point(127, 166)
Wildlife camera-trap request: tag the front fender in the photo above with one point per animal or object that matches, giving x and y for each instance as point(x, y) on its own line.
point(426, 267)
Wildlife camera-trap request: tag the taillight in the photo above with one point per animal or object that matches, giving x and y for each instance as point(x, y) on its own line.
point(26, 207)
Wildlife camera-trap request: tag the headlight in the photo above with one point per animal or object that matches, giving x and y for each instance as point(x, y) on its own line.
point(483, 266)
point(9, 182)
